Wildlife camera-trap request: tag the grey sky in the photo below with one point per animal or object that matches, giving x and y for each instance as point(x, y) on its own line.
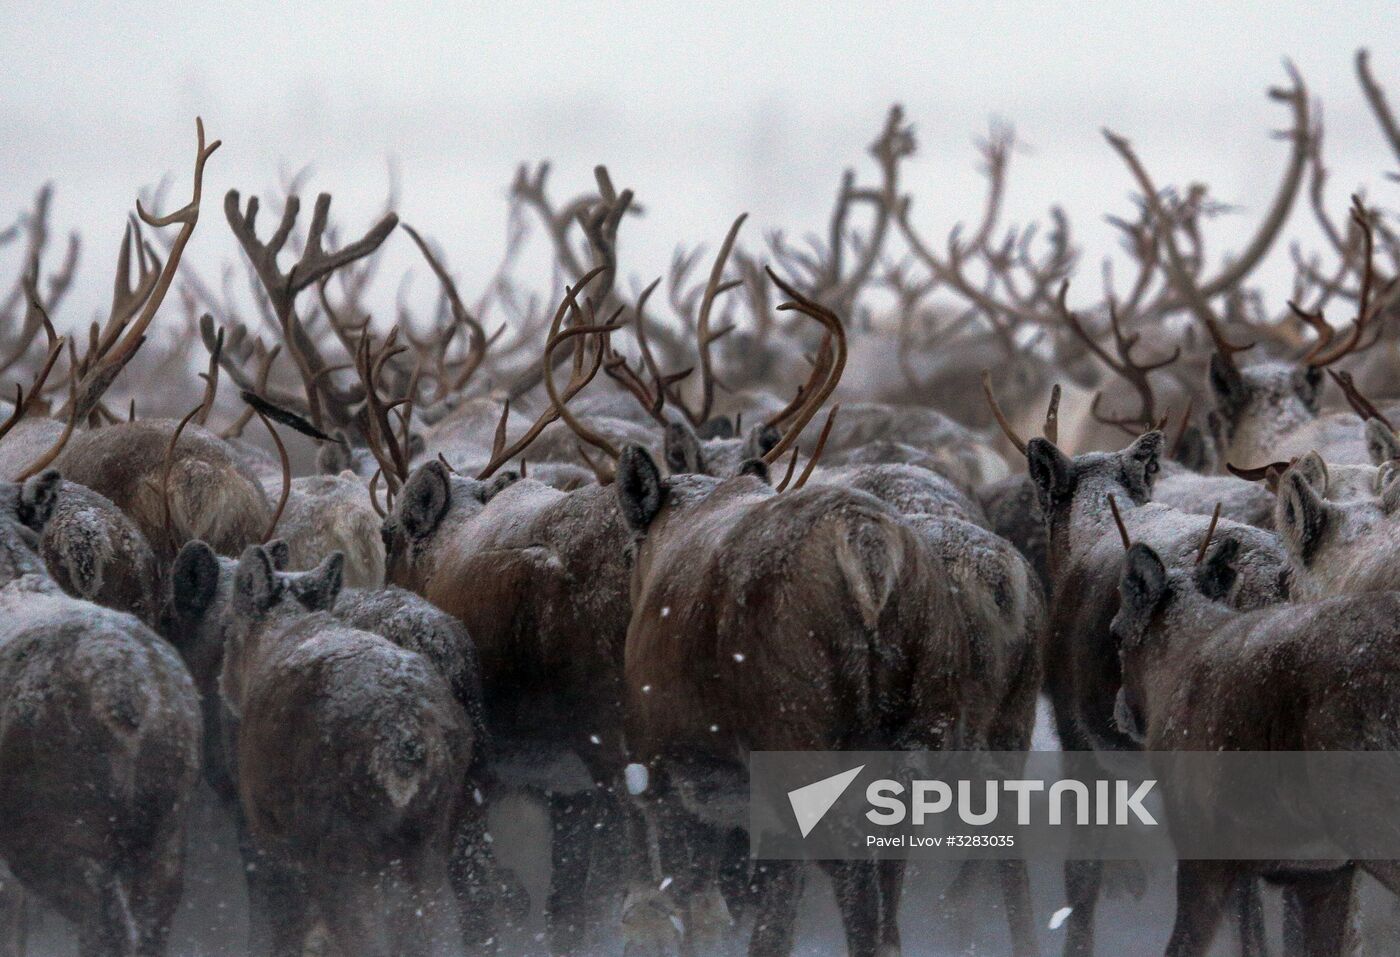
point(704, 109)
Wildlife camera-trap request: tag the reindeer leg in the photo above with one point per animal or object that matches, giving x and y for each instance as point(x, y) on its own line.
point(1082, 882)
point(1203, 889)
point(13, 925)
point(1016, 898)
point(891, 891)
point(780, 890)
point(156, 889)
point(858, 896)
point(1248, 913)
point(1324, 911)
point(571, 817)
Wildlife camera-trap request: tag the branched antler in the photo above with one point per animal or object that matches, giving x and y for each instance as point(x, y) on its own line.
point(282, 289)
point(1135, 373)
point(501, 453)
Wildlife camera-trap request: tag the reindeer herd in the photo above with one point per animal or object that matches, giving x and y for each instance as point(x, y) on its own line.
point(484, 569)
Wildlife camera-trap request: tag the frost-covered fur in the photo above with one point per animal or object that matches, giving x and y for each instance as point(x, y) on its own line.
point(1082, 674)
point(95, 552)
point(351, 759)
point(1249, 503)
point(213, 495)
point(99, 754)
point(869, 433)
point(538, 577)
point(1351, 545)
point(332, 513)
point(777, 622)
point(1271, 412)
point(1199, 675)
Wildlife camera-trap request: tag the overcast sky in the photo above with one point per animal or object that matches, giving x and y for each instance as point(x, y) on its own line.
point(705, 110)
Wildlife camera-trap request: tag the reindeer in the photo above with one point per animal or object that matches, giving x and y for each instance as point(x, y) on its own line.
point(99, 748)
point(93, 551)
point(1201, 675)
point(360, 828)
point(199, 619)
point(1077, 496)
point(716, 616)
point(1338, 546)
point(536, 575)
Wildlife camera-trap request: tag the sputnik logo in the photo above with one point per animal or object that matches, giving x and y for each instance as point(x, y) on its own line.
point(811, 801)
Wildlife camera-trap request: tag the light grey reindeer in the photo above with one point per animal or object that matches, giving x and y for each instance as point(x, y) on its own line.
point(350, 758)
point(99, 748)
point(1340, 546)
point(1199, 675)
point(1079, 497)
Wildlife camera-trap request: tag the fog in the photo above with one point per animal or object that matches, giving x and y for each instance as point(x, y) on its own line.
point(705, 110)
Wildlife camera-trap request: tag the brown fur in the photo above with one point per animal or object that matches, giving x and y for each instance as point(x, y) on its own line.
point(213, 495)
point(351, 754)
point(1201, 676)
point(99, 754)
point(811, 620)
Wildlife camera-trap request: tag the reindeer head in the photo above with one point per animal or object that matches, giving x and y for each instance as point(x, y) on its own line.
point(710, 451)
point(1073, 492)
point(1257, 406)
point(1324, 537)
point(433, 502)
point(1159, 605)
point(24, 508)
point(650, 503)
point(215, 604)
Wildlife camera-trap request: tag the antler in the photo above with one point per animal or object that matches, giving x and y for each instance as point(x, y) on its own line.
point(1210, 532)
point(1118, 520)
point(1375, 97)
point(1125, 367)
point(1196, 296)
point(704, 337)
point(814, 394)
point(1320, 356)
point(314, 265)
point(388, 449)
point(115, 345)
point(476, 335)
point(36, 386)
point(502, 453)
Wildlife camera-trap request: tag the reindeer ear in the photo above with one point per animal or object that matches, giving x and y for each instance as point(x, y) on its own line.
point(1307, 383)
point(716, 427)
point(1231, 391)
point(194, 579)
point(1389, 481)
point(757, 468)
point(761, 440)
point(1194, 450)
point(38, 497)
point(640, 491)
point(1313, 469)
point(682, 450)
point(1301, 515)
point(1052, 471)
point(1141, 462)
point(280, 552)
point(1140, 590)
point(498, 484)
point(318, 589)
point(255, 584)
point(334, 457)
point(424, 500)
point(1381, 443)
point(1216, 574)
